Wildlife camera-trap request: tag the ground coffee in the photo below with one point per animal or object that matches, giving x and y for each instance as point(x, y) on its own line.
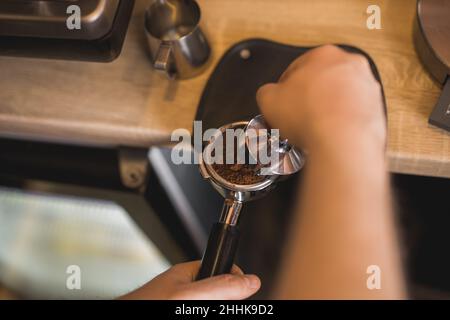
point(244, 174)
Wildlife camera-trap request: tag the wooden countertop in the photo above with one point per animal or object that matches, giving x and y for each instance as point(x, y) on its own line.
point(127, 103)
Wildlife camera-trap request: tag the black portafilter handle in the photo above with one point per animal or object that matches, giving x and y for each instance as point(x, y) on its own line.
point(220, 251)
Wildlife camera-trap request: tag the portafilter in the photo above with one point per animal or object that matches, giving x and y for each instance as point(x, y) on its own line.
point(224, 236)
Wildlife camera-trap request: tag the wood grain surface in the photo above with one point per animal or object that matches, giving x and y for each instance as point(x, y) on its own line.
point(128, 103)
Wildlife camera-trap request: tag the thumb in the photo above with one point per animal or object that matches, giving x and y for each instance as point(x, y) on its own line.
point(265, 96)
point(223, 287)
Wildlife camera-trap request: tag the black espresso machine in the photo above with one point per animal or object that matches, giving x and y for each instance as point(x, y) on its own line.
point(46, 29)
point(432, 42)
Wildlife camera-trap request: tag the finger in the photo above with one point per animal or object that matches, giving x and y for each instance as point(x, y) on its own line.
point(186, 272)
point(266, 97)
point(223, 287)
point(305, 59)
point(236, 270)
point(323, 55)
point(296, 65)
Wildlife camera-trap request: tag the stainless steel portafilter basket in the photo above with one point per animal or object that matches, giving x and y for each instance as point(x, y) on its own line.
point(224, 236)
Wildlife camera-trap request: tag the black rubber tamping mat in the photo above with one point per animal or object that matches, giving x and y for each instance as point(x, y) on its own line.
point(229, 96)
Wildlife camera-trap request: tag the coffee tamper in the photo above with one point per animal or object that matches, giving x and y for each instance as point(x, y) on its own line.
point(224, 236)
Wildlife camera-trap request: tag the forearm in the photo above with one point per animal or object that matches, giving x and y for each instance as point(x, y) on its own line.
point(343, 224)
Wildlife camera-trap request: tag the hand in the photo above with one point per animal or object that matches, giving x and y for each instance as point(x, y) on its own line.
point(178, 283)
point(325, 95)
